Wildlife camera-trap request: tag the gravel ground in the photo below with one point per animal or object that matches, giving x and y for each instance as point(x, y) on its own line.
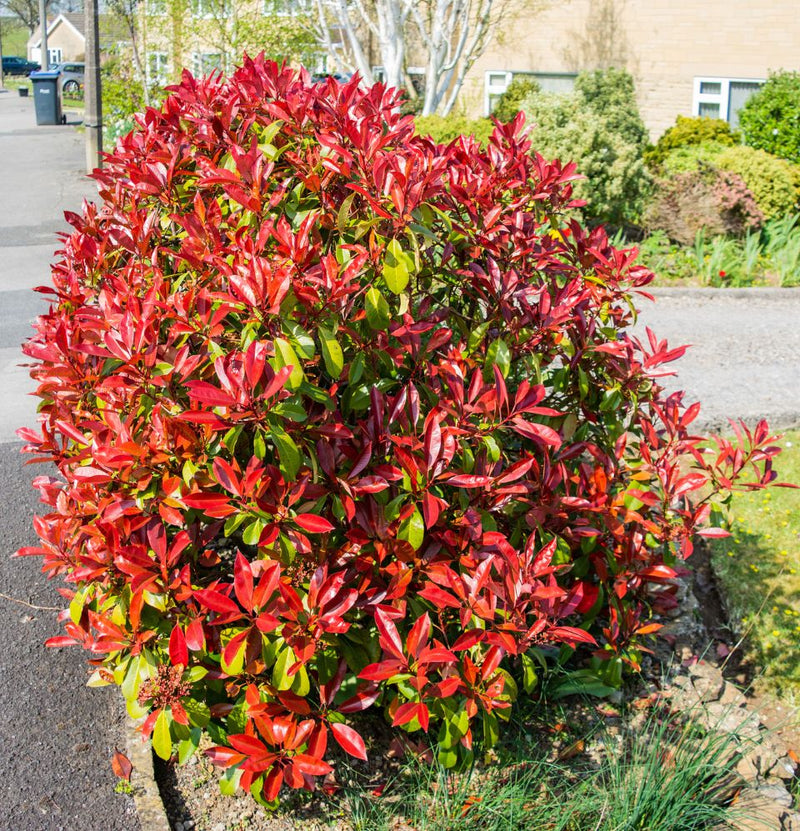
point(743, 357)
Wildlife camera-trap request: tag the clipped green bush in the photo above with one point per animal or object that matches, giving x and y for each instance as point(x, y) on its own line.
point(445, 128)
point(770, 120)
point(687, 132)
point(513, 98)
point(611, 94)
point(599, 128)
point(687, 158)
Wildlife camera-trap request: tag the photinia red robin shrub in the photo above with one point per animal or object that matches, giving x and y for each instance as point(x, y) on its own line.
point(343, 419)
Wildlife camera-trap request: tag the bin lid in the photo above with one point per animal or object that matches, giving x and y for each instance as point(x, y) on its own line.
point(44, 76)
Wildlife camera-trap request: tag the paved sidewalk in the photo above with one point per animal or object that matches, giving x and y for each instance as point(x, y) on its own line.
point(56, 734)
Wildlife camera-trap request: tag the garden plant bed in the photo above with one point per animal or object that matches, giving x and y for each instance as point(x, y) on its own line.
point(696, 672)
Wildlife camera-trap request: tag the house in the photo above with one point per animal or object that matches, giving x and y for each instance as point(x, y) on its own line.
point(66, 39)
point(687, 58)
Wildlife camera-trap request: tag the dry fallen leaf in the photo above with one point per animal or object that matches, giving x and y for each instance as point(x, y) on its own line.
point(121, 765)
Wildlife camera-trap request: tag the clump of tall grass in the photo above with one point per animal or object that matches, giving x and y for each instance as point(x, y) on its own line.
point(671, 774)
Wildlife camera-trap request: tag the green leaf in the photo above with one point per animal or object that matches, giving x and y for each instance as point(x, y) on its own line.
point(162, 743)
point(229, 781)
point(252, 534)
point(530, 677)
point(301, 685)
point(302, 340)
point(356, 369)
point(293, 410)
point(199, 714)
point(280, 672)
point(491, 730)
point(477, 335)
point(499, 354)
point(378, 314)
point(344, 212)
point(288, 452)
point(286, 356)
point(413, 529)
point(397, 267)
point(259, 445)
point(331, 353)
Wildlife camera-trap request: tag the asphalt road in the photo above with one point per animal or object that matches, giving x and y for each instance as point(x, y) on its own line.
point(56, 734)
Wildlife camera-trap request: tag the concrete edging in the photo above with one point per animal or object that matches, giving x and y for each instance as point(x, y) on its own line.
point(706, 292)
point(146, 796)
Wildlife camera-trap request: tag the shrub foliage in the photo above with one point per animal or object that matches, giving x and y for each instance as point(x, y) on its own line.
point(600, 129)
point(770, 120)
point(344, 418)
point(688, 132)
point(708, 199)
point(772, 181)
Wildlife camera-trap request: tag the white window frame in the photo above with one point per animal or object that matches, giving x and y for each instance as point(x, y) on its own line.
point(198, 69)
point(493, 85)
point(160, 75)
point(55, 55)
point(722, 97)
point(496, 86)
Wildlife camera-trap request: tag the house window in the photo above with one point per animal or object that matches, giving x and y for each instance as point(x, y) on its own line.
point(723, 97)
point(211, 8)
point(416, 75)
point(496, 82)
point(54, 55)
point(285, 8)
point(203, 63)
point(157, 68)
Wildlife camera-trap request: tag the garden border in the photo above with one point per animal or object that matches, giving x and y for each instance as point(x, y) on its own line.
point(147, 799)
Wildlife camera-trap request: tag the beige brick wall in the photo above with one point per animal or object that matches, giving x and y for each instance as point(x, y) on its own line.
point(664, 43)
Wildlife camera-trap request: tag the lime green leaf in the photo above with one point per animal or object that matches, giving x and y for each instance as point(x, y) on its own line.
point(280, 672)
point(331, 353)
point(302, 340)
point(162, 743)
point(477, 335)
point(288, 452)
point(198, 712)
point(412, 529)
point(378, 314)
point(252, 534)
point(499, 354)
point(397, 267)
point(286, 356)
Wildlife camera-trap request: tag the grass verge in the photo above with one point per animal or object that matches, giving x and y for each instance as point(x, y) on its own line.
point(759, 569)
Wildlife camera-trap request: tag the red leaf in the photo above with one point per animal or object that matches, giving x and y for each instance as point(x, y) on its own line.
point(713, 533)
point(216, 601)
point(178, 650)
point(360, 701)
point(390, 639)
point(308, 764)
point(313, 524)
point(349, 740)
point(466, 480)
point(121, 765)
point(224, 757)
point(60, 641)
